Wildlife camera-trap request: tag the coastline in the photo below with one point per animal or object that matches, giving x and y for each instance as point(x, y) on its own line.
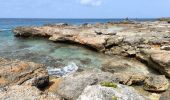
point(146, 42)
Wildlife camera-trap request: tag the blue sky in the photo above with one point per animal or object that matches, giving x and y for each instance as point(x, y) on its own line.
point(84, 8)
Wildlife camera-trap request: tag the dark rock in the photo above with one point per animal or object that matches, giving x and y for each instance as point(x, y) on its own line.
point(41, 82)
point(98, 32)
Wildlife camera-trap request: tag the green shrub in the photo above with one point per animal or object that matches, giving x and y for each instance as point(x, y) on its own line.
point(108, 84)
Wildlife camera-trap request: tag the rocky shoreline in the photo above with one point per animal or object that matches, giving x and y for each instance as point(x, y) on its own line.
point(146, 42)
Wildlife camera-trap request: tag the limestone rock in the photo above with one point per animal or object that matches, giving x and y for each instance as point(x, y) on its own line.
point(157, 59)
point(128, 78)
point(97, 92)
point(113, 41)
point(124, 65)
point(161, 62)
point(72, 86)
point(16, 72)
point(156, 83)
point(22, 92)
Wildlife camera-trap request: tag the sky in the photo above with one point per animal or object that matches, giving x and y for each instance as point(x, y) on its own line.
point(84, 8)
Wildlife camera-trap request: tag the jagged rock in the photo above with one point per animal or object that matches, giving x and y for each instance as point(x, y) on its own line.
point(97, 92)
point(16, 72)
point(156, 83)
point(22, 92)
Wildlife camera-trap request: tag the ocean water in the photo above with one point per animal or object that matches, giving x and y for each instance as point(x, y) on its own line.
point(52, 55)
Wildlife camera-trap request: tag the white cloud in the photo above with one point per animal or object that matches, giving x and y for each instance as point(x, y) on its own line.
point(91, 2)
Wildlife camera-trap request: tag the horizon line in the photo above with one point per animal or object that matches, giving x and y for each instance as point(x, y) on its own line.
point(83, 18)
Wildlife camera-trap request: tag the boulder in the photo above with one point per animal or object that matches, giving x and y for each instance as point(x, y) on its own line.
point(41, 82)
point(156, 83)
point(72, 86)
point(121, 92)
point(24, 92)
point(16, 72)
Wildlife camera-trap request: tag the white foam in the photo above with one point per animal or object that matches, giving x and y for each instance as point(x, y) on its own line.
point(61, 72)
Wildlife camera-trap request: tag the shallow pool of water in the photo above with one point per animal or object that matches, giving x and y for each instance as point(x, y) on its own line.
point(49, 53)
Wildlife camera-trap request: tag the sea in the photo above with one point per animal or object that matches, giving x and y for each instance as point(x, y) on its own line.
point(52, 55)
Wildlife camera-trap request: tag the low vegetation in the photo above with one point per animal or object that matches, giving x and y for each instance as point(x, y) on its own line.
point(108, 84)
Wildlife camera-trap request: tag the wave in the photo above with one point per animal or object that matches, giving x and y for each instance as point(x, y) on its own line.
point(1, 30)
point(60, 72)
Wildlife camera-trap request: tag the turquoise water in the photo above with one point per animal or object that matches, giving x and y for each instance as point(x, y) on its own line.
point(44, 51)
